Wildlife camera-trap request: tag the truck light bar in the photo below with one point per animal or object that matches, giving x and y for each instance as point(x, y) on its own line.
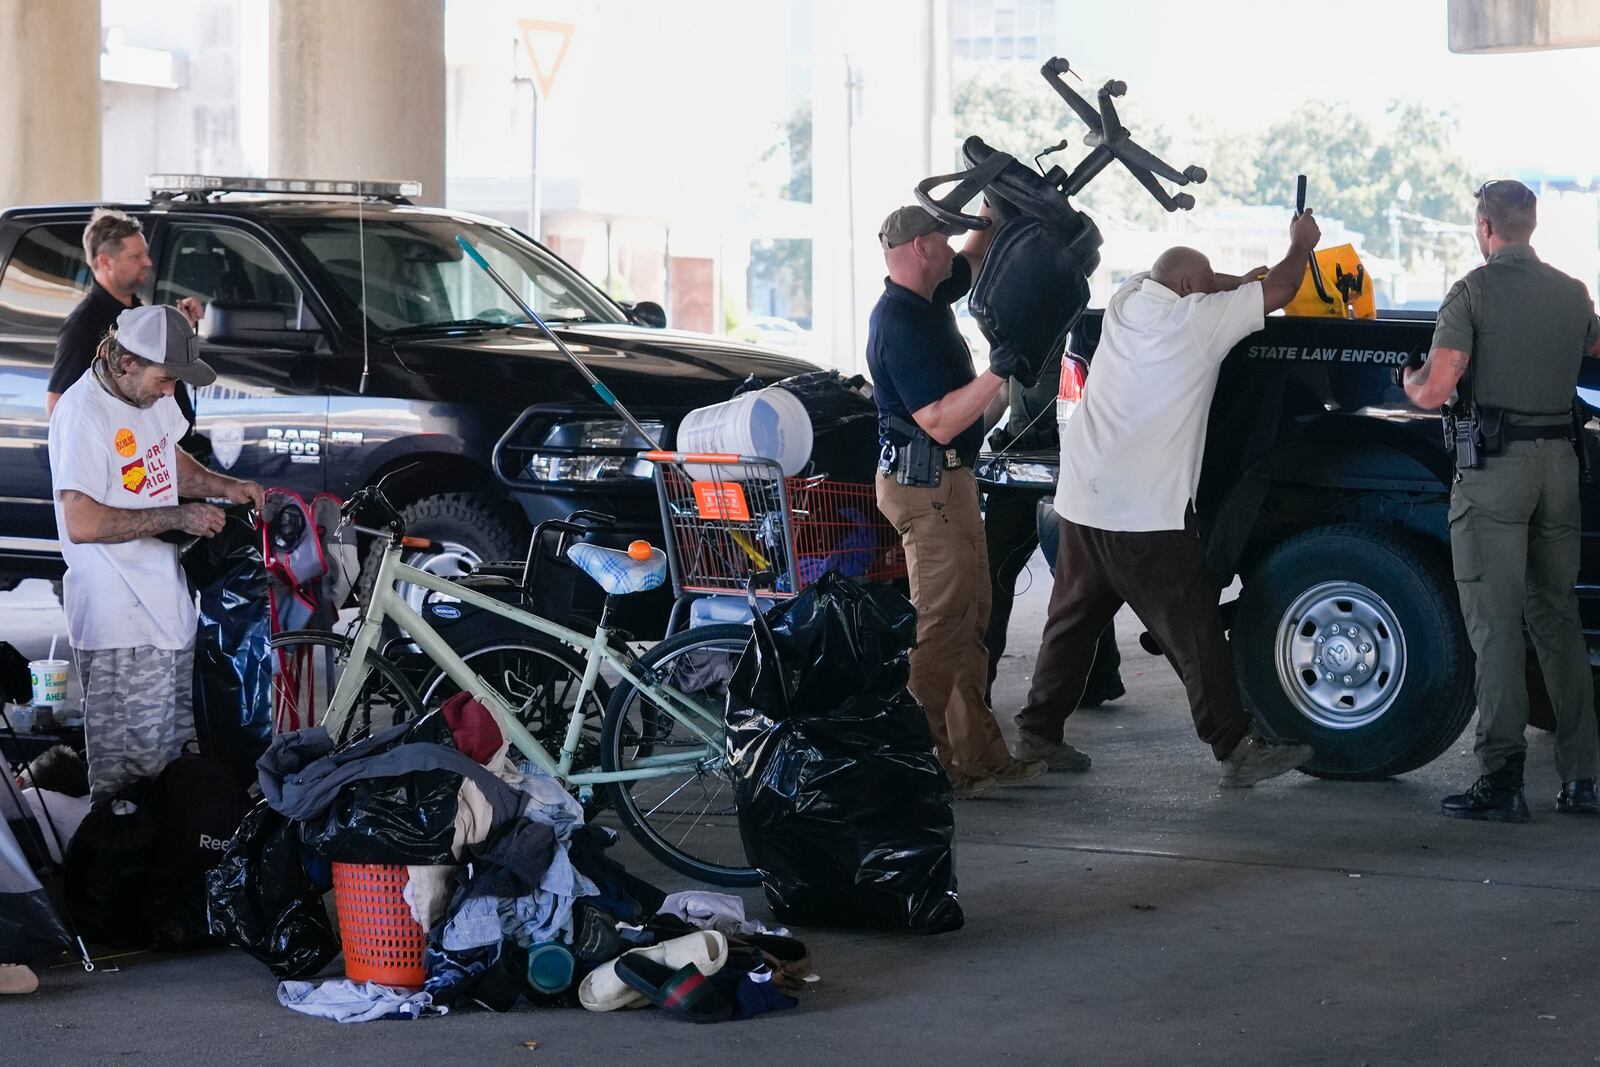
point(213, 183)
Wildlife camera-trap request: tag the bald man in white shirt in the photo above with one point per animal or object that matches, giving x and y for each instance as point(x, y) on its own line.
point(1130, 466)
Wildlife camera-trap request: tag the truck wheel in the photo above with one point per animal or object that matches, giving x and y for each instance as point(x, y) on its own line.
point(1350, 639)
point(472, 528)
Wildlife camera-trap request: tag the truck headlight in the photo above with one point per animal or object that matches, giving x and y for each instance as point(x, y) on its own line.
point(593, 450)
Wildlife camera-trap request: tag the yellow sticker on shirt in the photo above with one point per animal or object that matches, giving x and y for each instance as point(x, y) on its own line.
point(134, 476)
point(125, 442)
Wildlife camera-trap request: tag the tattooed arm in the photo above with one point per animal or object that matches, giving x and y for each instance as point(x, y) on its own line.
point(195, 480)
point(91, 522)
point(1431, 385)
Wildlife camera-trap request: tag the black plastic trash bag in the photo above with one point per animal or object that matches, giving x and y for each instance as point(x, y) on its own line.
point(844, 423)
point(262, 899)
point(404, 819)
point(232, 662)
point(843, 805)
point(388, 798)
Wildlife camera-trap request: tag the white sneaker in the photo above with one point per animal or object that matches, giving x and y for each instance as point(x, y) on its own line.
point(17, 980)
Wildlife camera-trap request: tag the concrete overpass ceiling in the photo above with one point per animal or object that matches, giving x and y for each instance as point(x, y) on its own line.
point(1523, 25)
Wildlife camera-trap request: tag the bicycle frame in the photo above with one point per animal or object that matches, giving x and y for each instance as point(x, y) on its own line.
point(387, 603)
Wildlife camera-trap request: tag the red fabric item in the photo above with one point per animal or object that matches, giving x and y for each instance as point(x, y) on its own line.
point(472, 727)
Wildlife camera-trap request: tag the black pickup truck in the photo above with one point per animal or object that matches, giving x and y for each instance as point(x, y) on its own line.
point(1326, 495)
point(316, 396)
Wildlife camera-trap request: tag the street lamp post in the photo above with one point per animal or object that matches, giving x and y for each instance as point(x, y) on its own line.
point(1402, 195)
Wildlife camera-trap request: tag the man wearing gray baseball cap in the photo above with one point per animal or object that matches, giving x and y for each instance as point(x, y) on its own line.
point(932, 411)
point(117, 474)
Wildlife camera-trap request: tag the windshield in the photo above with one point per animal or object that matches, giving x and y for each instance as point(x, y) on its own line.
point(419, 278)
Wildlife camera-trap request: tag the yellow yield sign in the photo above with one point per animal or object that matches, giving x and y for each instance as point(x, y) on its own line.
point(547, 43)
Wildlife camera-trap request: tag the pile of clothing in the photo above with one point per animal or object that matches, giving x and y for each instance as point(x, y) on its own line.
point(515, 891)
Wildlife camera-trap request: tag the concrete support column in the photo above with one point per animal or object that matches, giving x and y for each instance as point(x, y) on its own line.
point(1523, 25)
point(50, 109)
point(357, 89)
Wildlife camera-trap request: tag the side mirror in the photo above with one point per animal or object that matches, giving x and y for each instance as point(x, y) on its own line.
point(251, 325)
point(649, 313)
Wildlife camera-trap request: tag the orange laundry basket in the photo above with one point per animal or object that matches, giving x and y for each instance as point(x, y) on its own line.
point(382, 942)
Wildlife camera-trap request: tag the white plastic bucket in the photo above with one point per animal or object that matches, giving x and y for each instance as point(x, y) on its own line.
point(49, 678)
point(771, 423)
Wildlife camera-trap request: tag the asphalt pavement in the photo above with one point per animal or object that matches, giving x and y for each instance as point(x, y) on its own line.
point(1132, 915)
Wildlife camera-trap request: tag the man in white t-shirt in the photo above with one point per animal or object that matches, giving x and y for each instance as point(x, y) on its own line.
point(1130, 465)
point(117, 473)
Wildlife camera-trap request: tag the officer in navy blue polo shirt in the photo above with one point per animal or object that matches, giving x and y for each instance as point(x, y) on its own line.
point(931, 422)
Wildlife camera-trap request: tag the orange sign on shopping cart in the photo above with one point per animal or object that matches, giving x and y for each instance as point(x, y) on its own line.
point(721, 500)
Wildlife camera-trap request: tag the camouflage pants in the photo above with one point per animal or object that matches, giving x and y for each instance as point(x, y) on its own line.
point(138, 710)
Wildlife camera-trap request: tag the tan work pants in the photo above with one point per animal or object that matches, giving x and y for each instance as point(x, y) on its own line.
point(942, 529)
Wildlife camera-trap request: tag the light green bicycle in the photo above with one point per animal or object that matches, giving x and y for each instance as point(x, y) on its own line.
point(662, 746)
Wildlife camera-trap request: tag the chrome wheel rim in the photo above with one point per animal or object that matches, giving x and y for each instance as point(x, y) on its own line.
point(1341, 655)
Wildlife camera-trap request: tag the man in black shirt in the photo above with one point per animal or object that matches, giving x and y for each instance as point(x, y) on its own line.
point(119, 258)
point(925, 388)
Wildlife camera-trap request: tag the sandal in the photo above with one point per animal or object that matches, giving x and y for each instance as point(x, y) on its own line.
point(685, 992)
point(604, 990)
point(788, 957)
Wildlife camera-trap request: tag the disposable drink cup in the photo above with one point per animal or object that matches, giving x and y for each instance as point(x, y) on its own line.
point(49, 678)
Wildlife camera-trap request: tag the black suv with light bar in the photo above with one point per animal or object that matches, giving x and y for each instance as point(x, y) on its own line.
point(353, 339)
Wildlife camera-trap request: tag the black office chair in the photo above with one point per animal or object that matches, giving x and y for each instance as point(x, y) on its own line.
point(1035, 279)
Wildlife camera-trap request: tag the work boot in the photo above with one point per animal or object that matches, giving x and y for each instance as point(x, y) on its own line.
point(1494, 797)
point(1058, 755)
point(1016, 772)
point(1578, 798)
point(967, 786)
point(1255, 759)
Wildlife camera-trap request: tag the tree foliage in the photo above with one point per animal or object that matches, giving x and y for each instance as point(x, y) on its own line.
point(1354, 166)
point(1013, 110)
point(784, 266)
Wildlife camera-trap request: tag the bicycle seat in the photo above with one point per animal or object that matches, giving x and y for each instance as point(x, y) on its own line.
point(617, 572)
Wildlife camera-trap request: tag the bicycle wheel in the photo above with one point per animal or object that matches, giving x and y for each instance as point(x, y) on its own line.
point(309, 665)
point(540, 679)
point(689, 820)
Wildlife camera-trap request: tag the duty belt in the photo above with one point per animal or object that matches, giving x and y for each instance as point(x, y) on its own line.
point(889, 456)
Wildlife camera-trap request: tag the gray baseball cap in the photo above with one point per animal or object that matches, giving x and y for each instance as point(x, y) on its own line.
point(161, 334)
point(910, 222)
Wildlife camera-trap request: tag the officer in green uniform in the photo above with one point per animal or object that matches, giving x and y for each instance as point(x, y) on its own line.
point(1011, 530)
point(1513, 333)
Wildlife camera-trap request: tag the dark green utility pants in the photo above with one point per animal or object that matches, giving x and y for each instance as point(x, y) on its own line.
point(1515, 539)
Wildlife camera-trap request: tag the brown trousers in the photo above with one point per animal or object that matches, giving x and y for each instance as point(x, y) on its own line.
point(942, 530)
point(1162, 576)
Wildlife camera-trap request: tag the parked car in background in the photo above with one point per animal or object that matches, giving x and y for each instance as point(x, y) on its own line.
point(778, 333)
